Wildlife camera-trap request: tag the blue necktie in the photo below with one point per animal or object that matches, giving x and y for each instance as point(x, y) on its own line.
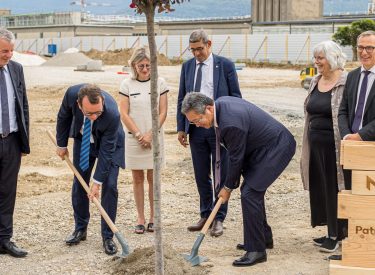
point(4, 104)
point(85, 145)
point(361, 103)
point(198, 80)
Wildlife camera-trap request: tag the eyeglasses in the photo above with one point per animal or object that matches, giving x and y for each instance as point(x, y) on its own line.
point(199, 49)
point(369, 49)
point(142, 66)
point(92, 114)
point(196, 121)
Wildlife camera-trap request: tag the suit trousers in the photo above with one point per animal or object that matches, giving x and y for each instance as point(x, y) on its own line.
point(109, 193)
point(10, 162)
point(255, 227)
point(203, 151)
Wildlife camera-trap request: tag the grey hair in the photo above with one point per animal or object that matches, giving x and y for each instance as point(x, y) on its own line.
point(366, 33)
point(198, 36)
point(138, 55)
point(7, 35)
point(195, 102)
point(332, 52)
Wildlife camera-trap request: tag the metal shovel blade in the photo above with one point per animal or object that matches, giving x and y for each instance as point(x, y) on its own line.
point(193, 257)
point(124, 246)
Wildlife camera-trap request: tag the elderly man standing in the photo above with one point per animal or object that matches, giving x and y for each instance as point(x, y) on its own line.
point(357, 110)
point(91, 117)
point(259, 148)
point(213, 76)
point(14, 138)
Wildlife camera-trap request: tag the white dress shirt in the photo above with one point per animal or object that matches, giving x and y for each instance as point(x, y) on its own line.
point(11, 103)
point(370, 82)
point(207, 84)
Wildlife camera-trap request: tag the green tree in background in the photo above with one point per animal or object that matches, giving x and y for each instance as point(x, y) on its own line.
point(347, 36)
point(148, 7)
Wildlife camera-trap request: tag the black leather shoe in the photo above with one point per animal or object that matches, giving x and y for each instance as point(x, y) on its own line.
point(198, 226)
point(251, 258)
point(269, 245)
point(110, 247)
point(10, 248)
point(76, 237)
point(335, 257)
point(217, 228)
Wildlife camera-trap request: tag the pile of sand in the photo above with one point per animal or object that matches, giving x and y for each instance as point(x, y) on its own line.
point(28, 59)
point(68, 60)
point(121, 57)
point(142, 262)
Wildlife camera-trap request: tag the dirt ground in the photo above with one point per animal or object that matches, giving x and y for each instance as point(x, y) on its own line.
point(43, 215)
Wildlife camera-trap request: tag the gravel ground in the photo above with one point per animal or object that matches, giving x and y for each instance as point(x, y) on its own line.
point(43, 215)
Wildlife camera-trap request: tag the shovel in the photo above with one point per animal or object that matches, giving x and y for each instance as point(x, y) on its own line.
point(116, 232)
point(193, 257)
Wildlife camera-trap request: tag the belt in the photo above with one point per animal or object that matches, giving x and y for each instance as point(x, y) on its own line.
point(5, 136)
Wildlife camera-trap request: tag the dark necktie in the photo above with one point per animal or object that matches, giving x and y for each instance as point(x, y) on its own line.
point(198, 80)
point(85, 145)
point(4, 105)
point(361, 103)
point(217, 162)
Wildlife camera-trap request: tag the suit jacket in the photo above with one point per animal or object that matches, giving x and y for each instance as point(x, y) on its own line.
point(225, 84)
point(347, 108)
point(109, 137)
point(259, 147)
point(22, 105)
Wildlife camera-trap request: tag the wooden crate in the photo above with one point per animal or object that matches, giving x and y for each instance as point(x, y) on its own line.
point(337, 268)
point(363, 182)
point(358, 254)
point(361, 231)
point(356, 207)
point(357, 155)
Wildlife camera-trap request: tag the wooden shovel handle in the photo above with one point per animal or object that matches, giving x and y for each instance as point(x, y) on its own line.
point(212, 216)
point(86, 187)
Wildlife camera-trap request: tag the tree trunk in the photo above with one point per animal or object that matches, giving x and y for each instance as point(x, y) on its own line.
point(354, 50)
point(159, 259)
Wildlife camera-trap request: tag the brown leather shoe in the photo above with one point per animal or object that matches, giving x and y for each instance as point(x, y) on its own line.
point(217, 228)
point(198, 226)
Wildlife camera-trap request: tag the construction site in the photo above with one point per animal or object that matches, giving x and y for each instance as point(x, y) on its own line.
point(58, 50)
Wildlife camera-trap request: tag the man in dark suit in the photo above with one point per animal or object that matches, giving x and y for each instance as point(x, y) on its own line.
point(14, 138)
point(87, 107)
point(214, 76)
point(259, 148)
point(357, 110)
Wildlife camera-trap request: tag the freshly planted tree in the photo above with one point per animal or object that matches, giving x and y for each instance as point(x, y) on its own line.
point(148, 7)
point(347, 36)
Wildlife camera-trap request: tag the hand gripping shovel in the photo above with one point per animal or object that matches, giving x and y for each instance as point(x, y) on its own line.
point(116, 232)
point(194, 258)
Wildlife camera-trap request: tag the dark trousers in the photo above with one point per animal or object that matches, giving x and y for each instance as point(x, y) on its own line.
point(10, 161)
point(80, 201)
point(203, 149)
point(255, 227)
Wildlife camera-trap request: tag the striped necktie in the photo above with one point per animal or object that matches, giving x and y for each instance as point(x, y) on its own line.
point(85, 145)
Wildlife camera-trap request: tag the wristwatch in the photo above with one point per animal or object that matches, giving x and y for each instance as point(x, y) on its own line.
point(227, 189)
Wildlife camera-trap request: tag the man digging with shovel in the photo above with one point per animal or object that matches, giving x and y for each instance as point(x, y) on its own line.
point(259, 148)
point(91, 117)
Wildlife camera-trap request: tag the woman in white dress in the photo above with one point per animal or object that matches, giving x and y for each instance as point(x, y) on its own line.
point(135, 108)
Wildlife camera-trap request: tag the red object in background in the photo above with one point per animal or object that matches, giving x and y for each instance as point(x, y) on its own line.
point(122, 73)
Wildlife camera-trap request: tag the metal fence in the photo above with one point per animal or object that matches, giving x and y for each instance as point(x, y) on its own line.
point(276, 48)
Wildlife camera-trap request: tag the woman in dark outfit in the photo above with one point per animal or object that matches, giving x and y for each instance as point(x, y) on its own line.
point(320, 170)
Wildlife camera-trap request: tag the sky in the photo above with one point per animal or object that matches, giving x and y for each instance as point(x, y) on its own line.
point(193, 8)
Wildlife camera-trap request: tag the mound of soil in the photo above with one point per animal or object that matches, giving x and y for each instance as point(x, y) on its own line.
point(142, 261)
point(121, 57)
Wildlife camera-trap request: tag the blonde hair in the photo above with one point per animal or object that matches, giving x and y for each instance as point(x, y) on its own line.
point(138, 55)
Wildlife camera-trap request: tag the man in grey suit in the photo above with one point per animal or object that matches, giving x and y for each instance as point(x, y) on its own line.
point(213, 76)
point(259, 148)
point(14, 138)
